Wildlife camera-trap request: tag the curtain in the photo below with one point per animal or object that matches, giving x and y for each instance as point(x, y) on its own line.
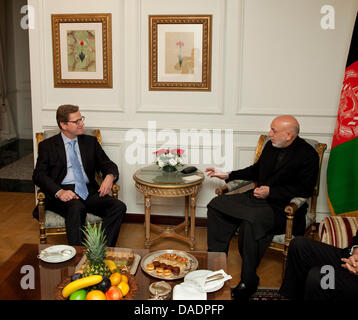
point(3, 88)
point(6, 119)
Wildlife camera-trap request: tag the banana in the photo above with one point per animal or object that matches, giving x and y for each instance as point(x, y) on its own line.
point(80, 284)
point(111, 265)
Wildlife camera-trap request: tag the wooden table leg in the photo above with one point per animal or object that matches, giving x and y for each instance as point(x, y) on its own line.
point(186, 228)
point(147, 207)
point(192, 221)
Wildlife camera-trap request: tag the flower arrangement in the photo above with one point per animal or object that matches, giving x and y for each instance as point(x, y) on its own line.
point(180, 45)
point(167, 160)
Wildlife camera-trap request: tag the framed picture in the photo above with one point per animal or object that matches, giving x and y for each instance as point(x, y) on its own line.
point(180, 52)
point(82, 50)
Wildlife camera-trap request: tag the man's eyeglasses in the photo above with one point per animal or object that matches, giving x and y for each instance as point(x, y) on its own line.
point(78, 121)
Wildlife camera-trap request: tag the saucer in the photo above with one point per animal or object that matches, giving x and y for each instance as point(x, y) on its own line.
point(49, 254)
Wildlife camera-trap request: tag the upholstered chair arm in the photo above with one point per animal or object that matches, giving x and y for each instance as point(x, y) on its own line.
point(294, 205)
point(232, 186)
point(41, 200)
point(237, 184)
point(290, 210)
point(222, 190)
point(115, 187)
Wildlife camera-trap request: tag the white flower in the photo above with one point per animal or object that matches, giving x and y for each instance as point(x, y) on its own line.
point(169, 159)
point(172, 162)
point(161, 163)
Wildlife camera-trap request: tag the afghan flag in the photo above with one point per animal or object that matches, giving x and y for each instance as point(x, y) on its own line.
point(342, 170)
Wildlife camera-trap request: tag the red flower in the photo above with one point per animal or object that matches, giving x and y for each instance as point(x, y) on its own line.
point(82, 43)
point(161, 151)
point(178, 152)
point(180, 43)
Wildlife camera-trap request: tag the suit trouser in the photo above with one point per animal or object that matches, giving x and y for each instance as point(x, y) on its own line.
point(111, 210)
point(221, 229)
point(305, 279)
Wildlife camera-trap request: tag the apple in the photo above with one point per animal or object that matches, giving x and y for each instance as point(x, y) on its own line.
point(114, 293)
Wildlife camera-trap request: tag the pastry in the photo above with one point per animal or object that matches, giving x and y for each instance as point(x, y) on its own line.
point(150, 267)
point(167, 273)
point(167, 261)
point(159, 271)
point(176, 270)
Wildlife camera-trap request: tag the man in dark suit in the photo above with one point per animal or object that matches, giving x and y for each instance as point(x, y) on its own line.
point(287, 168)
point(318, 271)
point(65, 172)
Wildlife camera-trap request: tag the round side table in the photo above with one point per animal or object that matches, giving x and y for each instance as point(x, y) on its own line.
point(151, 181)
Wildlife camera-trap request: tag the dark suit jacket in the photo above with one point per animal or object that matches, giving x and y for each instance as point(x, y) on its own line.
point(51, 165)
point(296, 176)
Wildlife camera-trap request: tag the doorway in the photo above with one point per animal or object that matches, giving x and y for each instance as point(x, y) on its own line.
point(16, 146)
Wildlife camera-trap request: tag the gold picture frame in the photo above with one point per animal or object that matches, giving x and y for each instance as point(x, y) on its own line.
point(180, 52)
point(82, 50)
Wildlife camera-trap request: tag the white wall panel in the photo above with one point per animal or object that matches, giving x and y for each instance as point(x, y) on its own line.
point(290, 64)
point(98, 100)
point(178, 101)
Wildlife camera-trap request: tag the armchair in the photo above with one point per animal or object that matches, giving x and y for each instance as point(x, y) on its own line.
point(281, 242)
point(51, 223)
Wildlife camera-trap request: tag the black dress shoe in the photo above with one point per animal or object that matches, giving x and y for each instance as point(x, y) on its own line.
point(243, 292)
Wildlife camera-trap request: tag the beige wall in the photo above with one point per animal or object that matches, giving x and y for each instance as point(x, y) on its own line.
point(269, 57)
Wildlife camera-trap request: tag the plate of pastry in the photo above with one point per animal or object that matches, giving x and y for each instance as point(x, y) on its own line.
point(168, 264)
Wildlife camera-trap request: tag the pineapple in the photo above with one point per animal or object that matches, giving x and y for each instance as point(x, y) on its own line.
point(95, 243)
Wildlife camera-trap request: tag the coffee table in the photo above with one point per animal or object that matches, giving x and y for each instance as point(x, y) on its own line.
point(49, 275)
point(152, 181)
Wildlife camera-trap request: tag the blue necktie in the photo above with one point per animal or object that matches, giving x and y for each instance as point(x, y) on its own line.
point(80, 184)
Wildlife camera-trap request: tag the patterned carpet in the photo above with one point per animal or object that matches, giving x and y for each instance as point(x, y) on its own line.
point(21, 169)
point(16, 166)
point(267, 294)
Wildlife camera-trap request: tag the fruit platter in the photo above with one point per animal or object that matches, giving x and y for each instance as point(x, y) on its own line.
point(169, 264)
point(102, 274)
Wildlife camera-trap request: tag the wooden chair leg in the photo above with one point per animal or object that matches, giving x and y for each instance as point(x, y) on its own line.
point(41, 208)
point(43, 235)
point(284, 262)
point(313, 232)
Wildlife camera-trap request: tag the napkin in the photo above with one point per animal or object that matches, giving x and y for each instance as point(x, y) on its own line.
point(200, 281)
point(191, 178)
point(186, 291)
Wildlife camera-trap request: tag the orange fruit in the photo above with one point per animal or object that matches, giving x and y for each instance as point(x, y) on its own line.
point(124, 288)
point(124, 278)
point(114, 293)
point(96, 295)
point(115, 278)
